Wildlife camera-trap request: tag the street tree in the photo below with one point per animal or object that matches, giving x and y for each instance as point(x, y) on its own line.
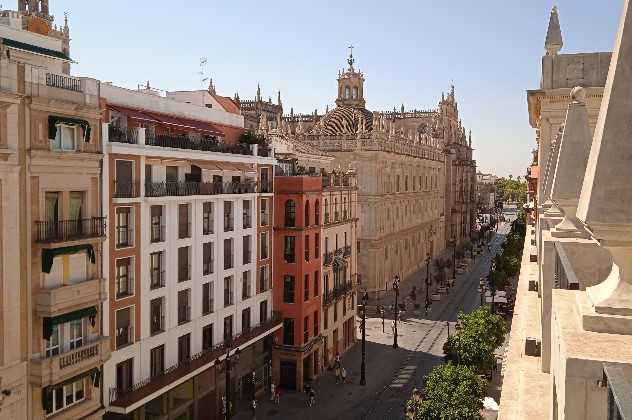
point(452, 392)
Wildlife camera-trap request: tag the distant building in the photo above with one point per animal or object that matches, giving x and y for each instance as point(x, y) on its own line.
point(253, 109)
point(485, 191)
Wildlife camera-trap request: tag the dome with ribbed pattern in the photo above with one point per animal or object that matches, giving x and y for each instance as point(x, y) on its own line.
point(345, 120)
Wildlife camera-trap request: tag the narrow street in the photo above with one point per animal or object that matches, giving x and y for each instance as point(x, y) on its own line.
point(392, 374)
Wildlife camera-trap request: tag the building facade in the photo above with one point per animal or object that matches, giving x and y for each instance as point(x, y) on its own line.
point(188, 262)
point(253, 109)
point(52, 346)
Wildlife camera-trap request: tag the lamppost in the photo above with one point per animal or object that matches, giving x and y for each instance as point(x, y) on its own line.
point(228, 361)
point(454, 257)
point(448, 324)
point(396, 288)
point(365, 300)
point(428, 258)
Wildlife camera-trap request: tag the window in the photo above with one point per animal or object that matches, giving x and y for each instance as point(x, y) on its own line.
point(306, 288)
point(355, 92)
point(336, 213)
point(228, 328)
point(344, 306)
point(397, 185)
point(264, 212)
point(316, 331)
point(156, 272)
point(305, 329)
point(157, 316)
point(125, 375)
point(306, 219)
point(157, 361)
point(228, 216)
point(207, 298)
point(207, 337)
point(264, 245)
point(208, 219)
point(64, 139)
point(184, 226)
point(228, 254)
point(289, 248)
point(184, 268)
point(326, 318)
point(247, 251)
point(288, 289)
point(157, 227)
point(335, 311)
point(184, 306)
point(344, 208)
point(184, 348)
point(263, 311)
point(326, 211)
point(316, 282)
point(307, 247)
point(317, 245)
point(263, 278)
point(124, 232)
point(290, 213)
point(51, 210)
point(245, 319)
point(246, 286)
point(229, 297)
point(326, 283)
point(207, 258)
point(124, 327)
point(75, 333)
point(247, 215)
point(124, 278)
point(60, 397)
point(52, 345)
point(317, 213)
point(288, 331)
point(347, 92)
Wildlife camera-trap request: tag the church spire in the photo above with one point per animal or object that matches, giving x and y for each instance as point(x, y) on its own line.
point(351, 60)
point(258, 97)
point(279, 98)
point(553, 43)
point(211, 87)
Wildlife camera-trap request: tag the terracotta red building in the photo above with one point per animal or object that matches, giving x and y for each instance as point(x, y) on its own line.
point(297, 352)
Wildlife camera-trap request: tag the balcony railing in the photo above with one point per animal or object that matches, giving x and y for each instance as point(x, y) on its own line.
point(337, 292)
point(59, 300)
point(184, 314)
point(326, 218)
point(157, 233)
point(124, 237)
point(184, 230)
point(339, 252)
point(206, 145)
point(149, 385)
point(328, 258)
point(266, 187)
point(247, 221)
point(207, 267)
point(164, 189)
point(70, 230)
point(126, 189)
point(124, 336)
point(157, 324)
point(63, 82)
point(157, 278)
point(122, 135)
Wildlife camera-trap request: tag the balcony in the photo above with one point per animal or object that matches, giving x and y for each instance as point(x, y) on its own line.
point(122, 135)
point(157, 324)
point(181, 188)
point(124, 398)
point(124, 237)
point(266, 187)
point(184, 314)
point(337, 292)
point(126, 189)
point(206, 144)
point(67, 298)
point(157, 233)
point(56, 369)
point(61, 81)
point(328, 258)
point(69, 230)
point(327, 221)
point(124, 336)
point(184, 272)
point(347, 251)
point(339, 252)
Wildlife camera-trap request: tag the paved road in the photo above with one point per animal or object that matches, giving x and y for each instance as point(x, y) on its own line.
point(391, 373)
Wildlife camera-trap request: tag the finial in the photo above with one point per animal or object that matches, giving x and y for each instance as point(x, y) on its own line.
point(327, 109)
point(269, 99)
point(452, 91)
point(553, 43)
point(291, 111)
point(442, 96)
point(211, 88)
point(470, 139)
point(578, 94)
point(402, 108)
point(350, 60)
point(258, 97)
point(279, 98)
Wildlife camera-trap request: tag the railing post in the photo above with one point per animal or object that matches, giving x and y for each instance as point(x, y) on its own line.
point(141, 135)
point(105, 133)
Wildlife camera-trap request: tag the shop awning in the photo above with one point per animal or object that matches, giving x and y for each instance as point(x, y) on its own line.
point(50, 322)
point(49, 254)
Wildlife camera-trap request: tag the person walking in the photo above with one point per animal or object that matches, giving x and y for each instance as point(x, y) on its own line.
point(337, 367)
point(272, 391)
point(253, 408)
point(312, 397)
point(343, 374)
point(308, 389)
point(277, 396)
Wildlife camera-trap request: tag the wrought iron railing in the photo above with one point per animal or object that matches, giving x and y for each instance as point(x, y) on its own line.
point(69, 230)
point(122, 135)
point(126, 189)
point(328, 258)
point(183, 188)
point(208, 144)
point(157, 324)
point(337, 292)
point(63, 82)
point(157, 278)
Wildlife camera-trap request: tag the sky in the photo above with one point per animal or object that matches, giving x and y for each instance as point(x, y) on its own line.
point(409, 51)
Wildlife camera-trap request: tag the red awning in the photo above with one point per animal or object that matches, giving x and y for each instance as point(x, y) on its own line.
point(203, 126)
point(133, 113)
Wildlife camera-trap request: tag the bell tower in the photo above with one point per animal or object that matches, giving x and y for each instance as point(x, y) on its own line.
point(351, 85)
point(35, 7)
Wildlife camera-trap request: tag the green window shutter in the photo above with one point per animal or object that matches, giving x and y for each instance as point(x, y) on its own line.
point(49, 254)
point(49, 323)
point(54, 120)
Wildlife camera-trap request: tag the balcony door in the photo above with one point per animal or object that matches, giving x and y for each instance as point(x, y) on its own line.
point(124, 178)
point(124, 375)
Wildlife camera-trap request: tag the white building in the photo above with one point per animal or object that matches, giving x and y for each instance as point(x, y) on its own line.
point(188, 253)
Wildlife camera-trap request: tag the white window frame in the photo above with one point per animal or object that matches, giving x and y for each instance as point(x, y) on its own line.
point(75, 342)
point(50, 346)
point(59, 138)
point(74, 387)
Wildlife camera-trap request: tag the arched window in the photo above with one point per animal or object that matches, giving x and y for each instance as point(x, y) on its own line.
point(290, 213)
point(306, 221)
point(344, 208)
point(317, 213)
point(326, 211)
point(355, 93)
point(336, 215)
point(347, 92)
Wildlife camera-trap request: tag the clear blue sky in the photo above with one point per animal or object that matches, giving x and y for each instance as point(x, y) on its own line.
point(409, 50)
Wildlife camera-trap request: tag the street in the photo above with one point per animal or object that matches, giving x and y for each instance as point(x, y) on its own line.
point(392, 374)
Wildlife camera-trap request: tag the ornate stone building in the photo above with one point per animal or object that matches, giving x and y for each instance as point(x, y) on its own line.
point(252, 110)
point(411, 167)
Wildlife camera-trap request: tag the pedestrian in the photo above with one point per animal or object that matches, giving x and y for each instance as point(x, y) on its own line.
point(253, 407)
point(337, 370)
point(308, 388)
point(272, 391)
point(277, 396)
point(343, 373)
point(312, 397)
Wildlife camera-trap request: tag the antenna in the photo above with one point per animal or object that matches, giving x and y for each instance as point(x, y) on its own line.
point(202, 72)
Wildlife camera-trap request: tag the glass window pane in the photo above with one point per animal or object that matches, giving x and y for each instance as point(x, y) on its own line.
point(69, 394)
point(67, 138)
point(79, 392)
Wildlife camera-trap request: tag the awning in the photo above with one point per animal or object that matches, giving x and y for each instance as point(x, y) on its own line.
point(34, 49)
point(95, 377)
point(48, 254)
point(186, 124)
point(50, 322)
point(54, 120)
point(133, 113)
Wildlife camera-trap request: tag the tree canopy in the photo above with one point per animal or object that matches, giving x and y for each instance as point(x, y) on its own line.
point(452, 392)
point(514, 190)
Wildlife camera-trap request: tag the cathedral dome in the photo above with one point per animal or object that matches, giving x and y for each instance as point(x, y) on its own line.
point(345, 120)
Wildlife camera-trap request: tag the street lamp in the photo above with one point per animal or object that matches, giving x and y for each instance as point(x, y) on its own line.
point(454, 258)
point(228, 361)
point(428, 258)
point(365, 300)
point(396, 288)
point(448, 324)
